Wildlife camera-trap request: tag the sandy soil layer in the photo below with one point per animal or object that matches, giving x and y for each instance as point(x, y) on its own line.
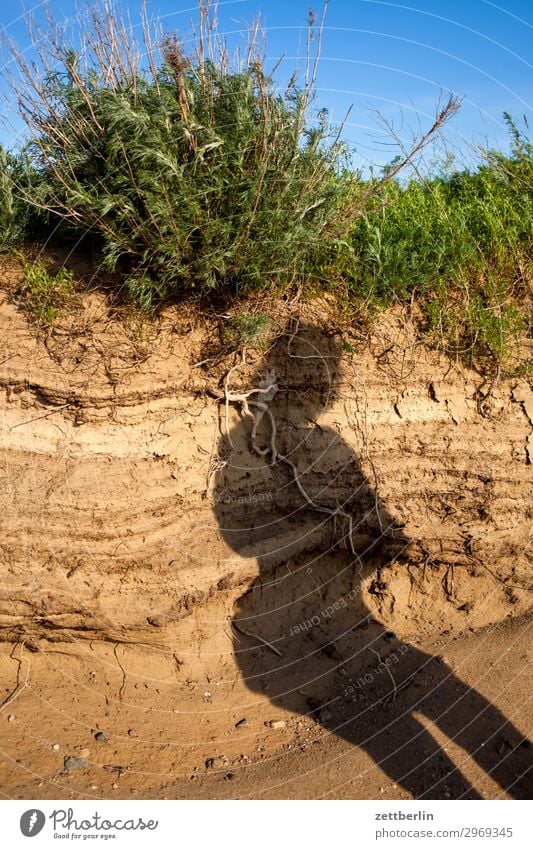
point(160, 582)
point(162, 729)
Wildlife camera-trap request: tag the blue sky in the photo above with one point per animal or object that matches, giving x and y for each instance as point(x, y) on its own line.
point(390, 56)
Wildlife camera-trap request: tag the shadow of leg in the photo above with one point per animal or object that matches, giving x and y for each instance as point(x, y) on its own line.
point(320, 658)
point(408, 754)
point(485, 734)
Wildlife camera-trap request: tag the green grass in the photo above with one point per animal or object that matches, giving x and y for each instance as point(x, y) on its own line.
point(246, 329)
point(461, 246)
point(45, 294)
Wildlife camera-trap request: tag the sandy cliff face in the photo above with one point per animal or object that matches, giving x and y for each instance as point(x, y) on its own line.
point(132, 602)
point(112, 462)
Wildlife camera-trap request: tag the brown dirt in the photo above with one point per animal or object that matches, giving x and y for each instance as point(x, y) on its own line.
point(122, 586)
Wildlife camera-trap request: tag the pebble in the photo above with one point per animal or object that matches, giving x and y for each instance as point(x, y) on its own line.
point(132, 733)
point(276, 723)
point(156, 621)
point(115, 786)
point(56, 747)
point(214, 763)
point(11, 717)
point(101, 737)
point(72, 764)
point(242, 723)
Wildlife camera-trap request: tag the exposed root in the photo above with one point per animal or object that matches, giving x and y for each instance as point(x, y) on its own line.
point(123, 685)
point(20, 685)
point(256, 637)
point(392, 696)
point(267, 390)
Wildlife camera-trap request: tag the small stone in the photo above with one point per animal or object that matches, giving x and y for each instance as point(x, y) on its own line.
point(11, 717)
point(84, 753)
point(56, 747)
point(72, 764)
point(132, 733)
point(242, 723)
point(115, 786)
point(114, 768)
point(332, 651)
point(276, 723)
point(214, 763)
point(101, 737)
point(324, 715)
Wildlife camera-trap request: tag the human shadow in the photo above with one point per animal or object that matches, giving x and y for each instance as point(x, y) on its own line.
point(303, 636)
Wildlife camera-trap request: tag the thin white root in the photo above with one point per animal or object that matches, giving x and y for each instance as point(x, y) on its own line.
point(395, 691)
point(20, 685)
point(228, 398)
point(257, 637)
point(268, 389)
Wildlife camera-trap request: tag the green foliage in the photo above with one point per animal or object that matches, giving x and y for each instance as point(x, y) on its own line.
point(14, 212)
point(246, 329)
point(201, 178)
point(200, 175)
point(21, 186)
point(462, 243)
point(46, 294)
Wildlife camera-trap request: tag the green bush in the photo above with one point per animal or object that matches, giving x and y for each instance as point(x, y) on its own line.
point(197, 174)
point(21, 216)
point(14, 212)
point(46, 294)
point(462, 244)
